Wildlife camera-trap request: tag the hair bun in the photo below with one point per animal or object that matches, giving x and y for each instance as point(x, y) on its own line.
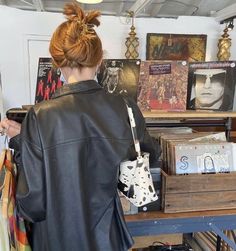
point(92, 18)
point(75, 43)
point(73, 12)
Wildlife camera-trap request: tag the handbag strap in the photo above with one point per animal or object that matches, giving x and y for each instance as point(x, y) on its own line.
point(133, 129)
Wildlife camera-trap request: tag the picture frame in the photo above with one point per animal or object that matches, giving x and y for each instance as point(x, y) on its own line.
point(162, 46)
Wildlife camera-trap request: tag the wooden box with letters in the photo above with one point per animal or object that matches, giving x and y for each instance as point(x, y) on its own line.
point(198, 192)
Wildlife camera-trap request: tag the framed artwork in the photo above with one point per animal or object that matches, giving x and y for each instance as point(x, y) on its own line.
point(120, 76)
point(163, 85)
point(176, 47)
point(211, 85)
point(48, 80)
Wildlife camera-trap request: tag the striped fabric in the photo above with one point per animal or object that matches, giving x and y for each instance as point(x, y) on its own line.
point(16, 225)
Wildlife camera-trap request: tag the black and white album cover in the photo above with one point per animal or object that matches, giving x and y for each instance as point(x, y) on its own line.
point(211, 85)
point(120, 76)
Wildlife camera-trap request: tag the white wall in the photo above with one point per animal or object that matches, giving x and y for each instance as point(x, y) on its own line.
point(25, 36)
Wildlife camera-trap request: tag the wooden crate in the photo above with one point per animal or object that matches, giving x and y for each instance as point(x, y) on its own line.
point(198, 192)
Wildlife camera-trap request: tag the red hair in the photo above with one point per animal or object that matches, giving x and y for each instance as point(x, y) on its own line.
point(75, 42)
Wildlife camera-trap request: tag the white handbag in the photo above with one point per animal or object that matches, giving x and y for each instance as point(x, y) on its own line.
point(135, 180)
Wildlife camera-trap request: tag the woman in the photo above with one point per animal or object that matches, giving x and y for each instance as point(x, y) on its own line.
point(69, 149)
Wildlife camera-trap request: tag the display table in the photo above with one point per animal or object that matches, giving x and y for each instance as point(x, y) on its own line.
point(157, 223)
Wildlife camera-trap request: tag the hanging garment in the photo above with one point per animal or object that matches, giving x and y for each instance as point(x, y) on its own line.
point(15, 224)
point(4, 239)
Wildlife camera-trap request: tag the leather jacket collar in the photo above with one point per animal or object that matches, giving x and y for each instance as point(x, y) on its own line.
point(82, 86)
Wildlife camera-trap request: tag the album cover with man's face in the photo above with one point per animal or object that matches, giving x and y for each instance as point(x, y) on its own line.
point(120, 76)
point(211, 85)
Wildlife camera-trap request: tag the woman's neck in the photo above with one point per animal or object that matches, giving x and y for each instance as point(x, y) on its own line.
point(74, 75)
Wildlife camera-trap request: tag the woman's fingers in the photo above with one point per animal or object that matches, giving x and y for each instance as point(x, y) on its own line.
point(14, 124)
point(9, 127)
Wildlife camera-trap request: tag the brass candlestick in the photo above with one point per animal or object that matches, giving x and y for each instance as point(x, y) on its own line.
point(132, 42)
point(224, 45)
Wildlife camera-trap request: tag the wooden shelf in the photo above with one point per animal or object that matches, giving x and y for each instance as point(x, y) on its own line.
point(155, 215)
point(188, 114)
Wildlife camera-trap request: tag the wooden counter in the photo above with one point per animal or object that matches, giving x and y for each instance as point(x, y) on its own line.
point(188, 114)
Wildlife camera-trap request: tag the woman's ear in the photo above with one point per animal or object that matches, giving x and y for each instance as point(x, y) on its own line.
point(65, 72)
point(99, 66)
point(100, 62)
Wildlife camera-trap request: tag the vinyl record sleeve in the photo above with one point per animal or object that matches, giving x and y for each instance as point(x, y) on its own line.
point(211, 85)
point(163, 85)
point(120, 76)
point(48, 80)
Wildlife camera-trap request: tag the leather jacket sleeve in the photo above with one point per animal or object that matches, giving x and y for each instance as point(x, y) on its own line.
point(30, 193)
point(147, 143)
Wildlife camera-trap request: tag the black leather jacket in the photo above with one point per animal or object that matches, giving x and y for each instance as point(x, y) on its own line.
point(68, 155)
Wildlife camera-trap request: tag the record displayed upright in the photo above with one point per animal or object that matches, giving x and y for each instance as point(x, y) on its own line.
point(163, 85)
point(120, 76)
point(211, 85)
point(48, 80)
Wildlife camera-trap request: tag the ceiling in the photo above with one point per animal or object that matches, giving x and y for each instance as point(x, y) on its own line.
point(221, 9)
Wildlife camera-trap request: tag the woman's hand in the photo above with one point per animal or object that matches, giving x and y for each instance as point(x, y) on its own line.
point(9, 127)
